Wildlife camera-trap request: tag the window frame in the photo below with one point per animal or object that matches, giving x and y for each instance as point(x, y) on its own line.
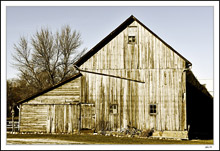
point(155, 111)
point(133, 34)
point(134, 41)
point(112, 108)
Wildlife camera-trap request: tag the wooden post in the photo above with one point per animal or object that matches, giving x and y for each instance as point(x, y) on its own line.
point(79, 118)
point(12, 114)
point(19, 117)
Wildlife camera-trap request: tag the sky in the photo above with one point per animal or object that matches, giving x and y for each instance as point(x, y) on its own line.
point(189, 30)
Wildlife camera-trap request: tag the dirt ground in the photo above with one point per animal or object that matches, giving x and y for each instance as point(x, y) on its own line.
point(90, 139)
point(40, 141)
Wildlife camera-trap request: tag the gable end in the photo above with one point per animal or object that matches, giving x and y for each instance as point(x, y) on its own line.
point(114, 33)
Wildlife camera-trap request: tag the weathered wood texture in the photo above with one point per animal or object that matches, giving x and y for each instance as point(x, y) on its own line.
point(148, 60)
point(49, 118)
point(64, 94)
point(54, 111)
point(33, 118)
point(87, 116)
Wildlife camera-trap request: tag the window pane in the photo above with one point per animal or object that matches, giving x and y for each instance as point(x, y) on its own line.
point(131, 39)
point(153, 108)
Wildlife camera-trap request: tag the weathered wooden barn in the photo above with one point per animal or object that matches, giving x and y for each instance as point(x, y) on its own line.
point(130, 78)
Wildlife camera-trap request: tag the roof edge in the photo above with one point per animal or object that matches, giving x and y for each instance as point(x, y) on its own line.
point(189, 63)
point(49, 89)
point(104, 41)
point(192, 80)
point(114, 33)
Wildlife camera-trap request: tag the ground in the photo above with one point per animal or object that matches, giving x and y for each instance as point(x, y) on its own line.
point(91, 139)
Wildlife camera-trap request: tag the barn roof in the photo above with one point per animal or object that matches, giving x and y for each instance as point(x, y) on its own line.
point(193, 81)
point(114, 33)
point(50, 88)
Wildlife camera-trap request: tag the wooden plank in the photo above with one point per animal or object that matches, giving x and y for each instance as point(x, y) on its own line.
point(104, 100)
point(104, 58)
point(121, 105)
point(70, 120)
point(119, 100)
point(173, 100)
point(164, 100)
point(140, 47)
point(159, 101)
point(101, 101)
point(125, 103)
point(128, 97)
point(136, 103)
point(116, 54)
point(155, 59)
point(97, 103)
point(76, 116)
point(133, 99)
point(107, 99)
point(90, 89)
point(142, 93)
point(176, 101)
point(147, 98)
point(158, 122)
point(171, 59)
point(152, 52)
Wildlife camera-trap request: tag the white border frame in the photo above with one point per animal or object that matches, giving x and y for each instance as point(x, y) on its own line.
point(215, 4)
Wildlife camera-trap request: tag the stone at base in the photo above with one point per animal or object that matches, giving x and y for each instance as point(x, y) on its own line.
point(171, 134)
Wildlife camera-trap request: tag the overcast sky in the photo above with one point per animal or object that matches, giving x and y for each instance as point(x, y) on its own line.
point(189, 30)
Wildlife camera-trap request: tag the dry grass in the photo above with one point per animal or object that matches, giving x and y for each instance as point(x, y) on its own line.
point(99, 139)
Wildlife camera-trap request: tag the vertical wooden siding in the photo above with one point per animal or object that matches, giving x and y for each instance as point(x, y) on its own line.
point(150, 61)
point(49, 118)
point(54, 111)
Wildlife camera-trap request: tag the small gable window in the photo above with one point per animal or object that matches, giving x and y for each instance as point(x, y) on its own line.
point(114, 108)
point(131, 39)
point(132, 34)
point(153, 109)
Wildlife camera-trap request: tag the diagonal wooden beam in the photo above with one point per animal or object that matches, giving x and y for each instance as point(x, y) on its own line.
point(109, 75)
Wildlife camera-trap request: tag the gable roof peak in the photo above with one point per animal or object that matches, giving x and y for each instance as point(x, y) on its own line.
point(132, 16)
point(114, 33)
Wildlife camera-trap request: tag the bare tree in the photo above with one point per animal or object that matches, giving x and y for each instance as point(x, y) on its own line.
point(16, 90)
point(48, 58)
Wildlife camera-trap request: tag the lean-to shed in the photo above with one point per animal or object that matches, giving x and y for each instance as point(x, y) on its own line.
point(132, 78)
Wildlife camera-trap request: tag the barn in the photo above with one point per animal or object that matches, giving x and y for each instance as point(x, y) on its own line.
point(132, 78)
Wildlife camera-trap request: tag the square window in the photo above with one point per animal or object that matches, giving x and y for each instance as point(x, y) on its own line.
point(153, 109)
point(114, 108)
point(131, 39)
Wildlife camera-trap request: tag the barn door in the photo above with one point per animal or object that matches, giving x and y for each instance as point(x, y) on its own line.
point(87, 116)
point(113, 116)
point(62, 118)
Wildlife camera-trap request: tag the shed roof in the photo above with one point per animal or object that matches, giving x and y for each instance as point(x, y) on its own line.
point(114, 33)
point(50, 88)
point(192, 80)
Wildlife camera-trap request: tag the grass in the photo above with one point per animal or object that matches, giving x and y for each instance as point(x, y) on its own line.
point(99, 139)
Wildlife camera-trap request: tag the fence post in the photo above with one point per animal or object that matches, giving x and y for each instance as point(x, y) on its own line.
point(19, 119)
point(12, 114)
